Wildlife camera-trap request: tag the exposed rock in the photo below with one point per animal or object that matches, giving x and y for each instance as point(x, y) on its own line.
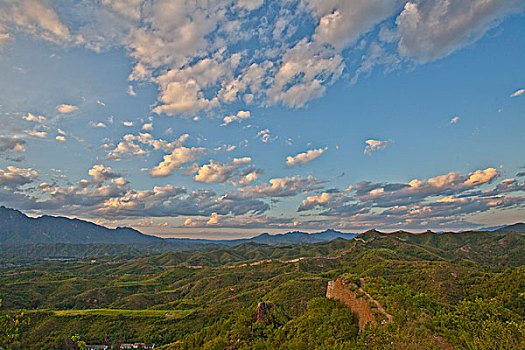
point(359, 305)
point(261, 313)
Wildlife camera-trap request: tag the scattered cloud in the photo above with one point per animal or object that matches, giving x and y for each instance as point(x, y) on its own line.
point(127, 123)
point(34, 133)
point(235, 172)
point(35, 17)
point(147, 127)
point(64, 108)
point(8, 143)
point(131, 92)
point(239, 117)
point(174, 160)
point(14, 177)
point(61, 139)
point(305, 157)
point(518, 93)
point(279, 187)
point(34, 118)
point(97, 124)
point(429, 30)
point(454, 120)
point(265, 136)
point(375, 145)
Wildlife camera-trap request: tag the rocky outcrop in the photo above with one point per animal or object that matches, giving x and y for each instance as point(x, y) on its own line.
point(347, 294)
point(261, 313)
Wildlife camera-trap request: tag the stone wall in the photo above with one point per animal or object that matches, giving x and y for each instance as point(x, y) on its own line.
point(359, 305)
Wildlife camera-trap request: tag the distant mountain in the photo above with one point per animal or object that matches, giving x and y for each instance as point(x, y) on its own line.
point(18, 228)
point(295, 237)
point(518, 228)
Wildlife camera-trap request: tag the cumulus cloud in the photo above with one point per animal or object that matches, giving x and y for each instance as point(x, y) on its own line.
point(8, 143)
point(305, 157)
point(64, 108)
point(126, 148)
point(313, 201)
point(97, 124)
point(202, 56)
point(33, 16)
point(61, 139)
point(100, 174)
point(517, 93)
point(34, 118)
point(236, 172)
point(442, 200)
point(130, 146)
point(429, 30)
point(265, 136)
point(342, 22)
point(147, 127)
point(174, 161)
point(375, 145)
point(279, 187)
point(239, 117)
point(127, 123)
point(14, 177)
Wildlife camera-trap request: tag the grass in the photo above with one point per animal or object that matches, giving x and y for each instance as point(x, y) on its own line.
point(173, 314)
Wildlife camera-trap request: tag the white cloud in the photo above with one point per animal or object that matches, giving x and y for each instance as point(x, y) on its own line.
point(97, 124)
point(101, 103)
point(175, 160)
point(221, 172)
point(305, 70)
point(313, 201)
point(265, 136)
point(147, 126)
point(454, 120)
point(342, 22)
point(15, 177)
point(249, 4)
point(126, 8)
point(131, 92)
point(518, 93)
point(61, 139)
point(375, 145)
point(239, 117)
point(33, 118)
point(429, 30)
point(35, 17)
point(8, 143)
point(65, 108)
point(101, 173)
point(305, 157)
point(34, 133)
point(279, 187)
point(127, 123)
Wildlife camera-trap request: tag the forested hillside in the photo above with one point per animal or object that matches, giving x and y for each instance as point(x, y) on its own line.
point(451, 291)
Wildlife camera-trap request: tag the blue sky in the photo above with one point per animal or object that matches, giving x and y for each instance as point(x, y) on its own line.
point(231, 118)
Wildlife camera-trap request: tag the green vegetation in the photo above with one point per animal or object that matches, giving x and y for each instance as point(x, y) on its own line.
point(450, 291)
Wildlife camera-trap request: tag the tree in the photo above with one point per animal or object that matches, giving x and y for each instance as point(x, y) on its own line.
point(11, 329)
point(80, 343)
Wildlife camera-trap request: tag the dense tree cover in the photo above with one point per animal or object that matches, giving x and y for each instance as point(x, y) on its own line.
point(444, 291)
point(11, 328)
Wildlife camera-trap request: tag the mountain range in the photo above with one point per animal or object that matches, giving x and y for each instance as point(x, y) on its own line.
point(16, 228)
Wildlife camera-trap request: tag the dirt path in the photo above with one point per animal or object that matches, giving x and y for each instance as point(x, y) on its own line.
point(379, 307)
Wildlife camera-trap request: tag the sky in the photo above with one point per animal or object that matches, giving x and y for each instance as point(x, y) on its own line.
point(229, 118)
